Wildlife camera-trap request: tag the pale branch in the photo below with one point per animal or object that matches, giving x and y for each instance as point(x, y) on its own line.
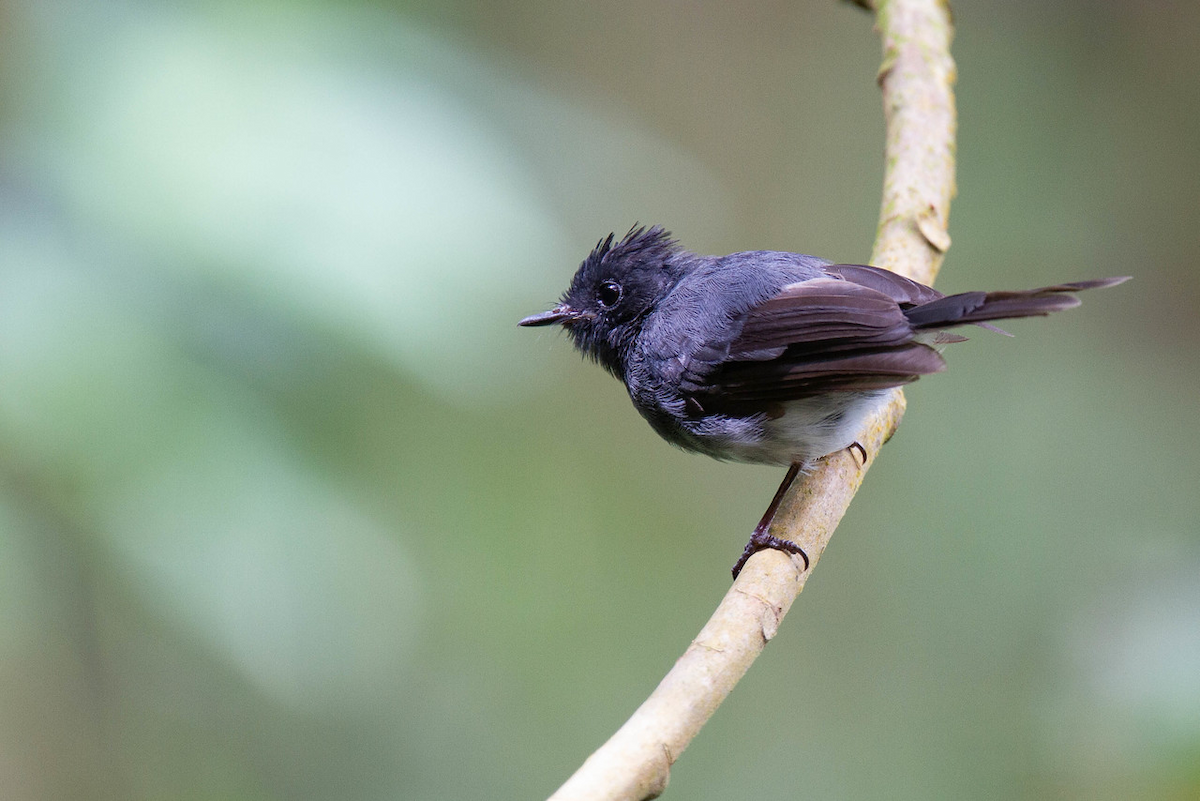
point(916, 78)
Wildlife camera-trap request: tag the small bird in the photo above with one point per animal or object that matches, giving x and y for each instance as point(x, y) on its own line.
point(764, 356)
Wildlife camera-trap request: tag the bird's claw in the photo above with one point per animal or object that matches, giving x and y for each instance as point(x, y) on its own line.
point(761, 540)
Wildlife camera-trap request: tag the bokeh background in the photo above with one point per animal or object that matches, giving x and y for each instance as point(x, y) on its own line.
point(291, 509)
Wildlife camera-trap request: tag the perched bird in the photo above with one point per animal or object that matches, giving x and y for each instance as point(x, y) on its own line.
point(764, 356)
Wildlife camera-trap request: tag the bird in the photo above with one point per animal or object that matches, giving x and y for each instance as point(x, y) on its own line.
point(767, 357)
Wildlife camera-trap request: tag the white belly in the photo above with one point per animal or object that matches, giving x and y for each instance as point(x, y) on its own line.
point(811, 428)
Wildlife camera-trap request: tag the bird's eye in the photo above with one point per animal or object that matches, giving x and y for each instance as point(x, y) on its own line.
point(609, 294)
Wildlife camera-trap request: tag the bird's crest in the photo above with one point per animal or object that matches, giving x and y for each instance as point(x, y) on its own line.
point(640, 246)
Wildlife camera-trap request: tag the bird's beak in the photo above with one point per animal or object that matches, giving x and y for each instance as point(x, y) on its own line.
point(558, 314)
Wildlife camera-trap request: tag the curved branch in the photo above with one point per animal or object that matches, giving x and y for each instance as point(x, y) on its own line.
point(916, 78)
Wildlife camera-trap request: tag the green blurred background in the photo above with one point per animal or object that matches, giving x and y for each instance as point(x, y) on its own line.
point(291, 509)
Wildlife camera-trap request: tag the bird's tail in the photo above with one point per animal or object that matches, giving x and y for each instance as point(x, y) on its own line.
point(979, 307)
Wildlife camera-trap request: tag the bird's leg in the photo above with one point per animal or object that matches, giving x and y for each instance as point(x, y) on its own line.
point(760, 539)
point(857, 446)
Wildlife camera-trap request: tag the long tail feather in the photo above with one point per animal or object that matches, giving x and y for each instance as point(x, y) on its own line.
point(977, 307)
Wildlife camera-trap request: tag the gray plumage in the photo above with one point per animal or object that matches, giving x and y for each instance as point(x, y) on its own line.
point(764, 356)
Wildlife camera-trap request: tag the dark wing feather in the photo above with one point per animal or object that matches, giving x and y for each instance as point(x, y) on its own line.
point(904, 291)
point(822, 314)
point(812, 337)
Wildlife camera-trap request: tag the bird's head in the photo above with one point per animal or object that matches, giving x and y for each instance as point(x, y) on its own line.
point(612, 292)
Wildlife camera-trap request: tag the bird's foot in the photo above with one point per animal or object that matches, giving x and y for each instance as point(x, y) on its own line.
point(761, 540)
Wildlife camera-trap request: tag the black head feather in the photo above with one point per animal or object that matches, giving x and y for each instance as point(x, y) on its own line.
point(641, 247)
point(614, 288)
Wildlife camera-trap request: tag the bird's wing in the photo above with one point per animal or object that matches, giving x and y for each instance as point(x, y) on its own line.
point(904, 291)
point(811, 337)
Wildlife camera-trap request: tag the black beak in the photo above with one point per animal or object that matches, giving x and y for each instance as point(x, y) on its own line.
point(556, 315)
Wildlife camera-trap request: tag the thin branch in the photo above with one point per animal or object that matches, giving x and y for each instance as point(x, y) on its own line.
point(916, 77)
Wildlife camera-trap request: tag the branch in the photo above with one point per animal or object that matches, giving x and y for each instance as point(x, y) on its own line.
point(916, 77)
